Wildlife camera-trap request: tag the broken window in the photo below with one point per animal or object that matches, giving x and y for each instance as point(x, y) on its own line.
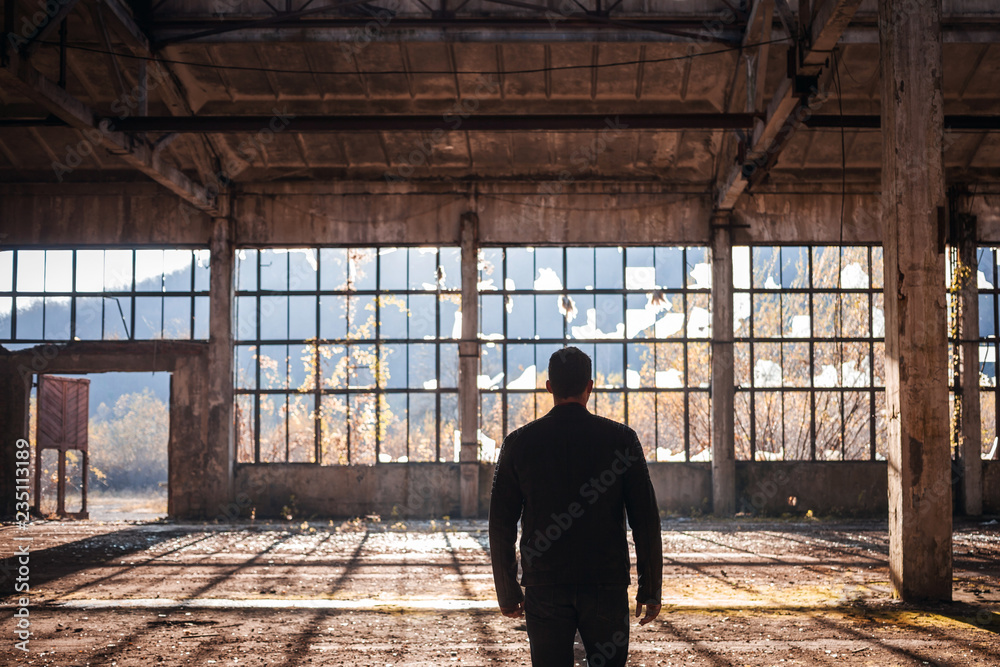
point(809, 329)
point(347, 355)
point(102, 294)
point(987, 277)
point(641, 313)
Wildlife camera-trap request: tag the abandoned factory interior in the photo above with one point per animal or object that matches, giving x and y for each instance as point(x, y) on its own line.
point(278, 278)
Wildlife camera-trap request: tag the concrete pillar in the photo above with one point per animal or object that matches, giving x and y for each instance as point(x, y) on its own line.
point(970, 432)
point(916, 341)
point(468, 369)
point(723, 425)
point(185, 486)
point(15, 390)
point(219, 443)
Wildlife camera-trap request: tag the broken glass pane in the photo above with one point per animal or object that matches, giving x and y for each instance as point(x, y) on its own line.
point(640, 269)
point(58, 270)
point(422, 367)
point(333, 268)
point(393, 366)
point(449, 365)
point(521, 367)
point(148, 314)
point(176, 317)
point(392, 268)
point(491, 316)
point(302, 317)
point(361, 270)
point(423, 268)
point(741, 267)
point(548, 269)
point(795, 364)
point(609, 318)
point(641, 371)
point(699, 269)
point(699, 318)
point(201, 317)
point(394, 316)
point(422, 444)
point(826, 268)
point(89, 316)
point(117, 315)
point(302, 367)
point(246, 270)
point(766, 267)
point(450, 315)
point(423, 316)
point(333, 317)
point(580, 268)
point(520, 268)
point(608, 263)
point(795, 313)
point(794, 267)
point(767, 371)
point(450, 272)
point(670, 267)
point(548, 316)
point(609, 370)
point(333, 430)
point(246, 367)
point(301, 429)
point(57, 316)
point(490, 269)
point(670, 426)
point(302, 269)
point(274, 270)
point(117, 270)
point(273, 360)
point(394, 418)
point(521, 316)
point(89, 271)
point(986, 310)
point(273, 317)
point(855, 309)
point(177, 270)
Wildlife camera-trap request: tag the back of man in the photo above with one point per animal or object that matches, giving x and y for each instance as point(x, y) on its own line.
point(571, 477)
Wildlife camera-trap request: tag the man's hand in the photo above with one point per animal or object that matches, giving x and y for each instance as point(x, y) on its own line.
point(514, 612)
point(652, 611)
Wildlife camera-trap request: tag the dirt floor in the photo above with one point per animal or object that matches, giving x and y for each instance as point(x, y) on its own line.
point(377, 593)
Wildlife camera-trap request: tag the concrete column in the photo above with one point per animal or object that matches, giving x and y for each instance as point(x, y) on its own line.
point(970, 432)
point(15, 389)
point(723, 428)
point(219, 443)
point(916, 341)
point(468, 369)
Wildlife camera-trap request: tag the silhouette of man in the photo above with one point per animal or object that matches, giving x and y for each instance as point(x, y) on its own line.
point(571, 477)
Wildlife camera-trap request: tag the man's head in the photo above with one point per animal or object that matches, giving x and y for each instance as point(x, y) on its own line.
point(569, 375)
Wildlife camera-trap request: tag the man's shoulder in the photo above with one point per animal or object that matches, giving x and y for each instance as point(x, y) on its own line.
point(606, 424)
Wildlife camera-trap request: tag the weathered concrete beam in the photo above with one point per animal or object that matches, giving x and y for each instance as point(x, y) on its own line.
point(219, 445)
point(916, 341)
point(21, 76)
point(785, 110)
point(104, 356)
point(98, 213)
point(468, 366)
point(723, 386)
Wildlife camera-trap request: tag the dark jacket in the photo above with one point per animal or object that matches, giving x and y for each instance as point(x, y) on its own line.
point(570, 477)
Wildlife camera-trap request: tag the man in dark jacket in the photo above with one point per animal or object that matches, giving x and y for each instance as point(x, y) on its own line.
point(571, 477)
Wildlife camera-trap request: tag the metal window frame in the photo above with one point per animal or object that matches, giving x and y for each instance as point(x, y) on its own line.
point(376, 341)
point(686, 390)
point(128, 295)
point(751, 340)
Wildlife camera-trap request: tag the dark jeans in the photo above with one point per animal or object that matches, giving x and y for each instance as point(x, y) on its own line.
point(554, 613)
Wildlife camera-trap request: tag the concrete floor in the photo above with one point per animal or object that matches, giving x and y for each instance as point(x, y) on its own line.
point(420, 593)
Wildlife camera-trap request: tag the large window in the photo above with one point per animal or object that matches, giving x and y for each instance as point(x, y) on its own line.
point(642, 314)
point(107, 294)
point(809, 331)
point(989, 344)
point(347, 355)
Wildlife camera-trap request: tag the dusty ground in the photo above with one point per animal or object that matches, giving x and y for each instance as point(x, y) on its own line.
point(374, 594)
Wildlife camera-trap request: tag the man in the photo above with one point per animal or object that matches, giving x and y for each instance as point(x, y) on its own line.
point(571, 477)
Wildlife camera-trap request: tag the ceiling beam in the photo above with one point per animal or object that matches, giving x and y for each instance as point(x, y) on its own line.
point(21, 76)
point(206, 152)
point(45, 30)
point(489, 123)
point(791, 100)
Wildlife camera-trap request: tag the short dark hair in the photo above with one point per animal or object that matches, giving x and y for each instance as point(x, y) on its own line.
point(569, 372)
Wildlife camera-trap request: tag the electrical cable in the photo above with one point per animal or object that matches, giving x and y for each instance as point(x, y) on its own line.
point(536, 70)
